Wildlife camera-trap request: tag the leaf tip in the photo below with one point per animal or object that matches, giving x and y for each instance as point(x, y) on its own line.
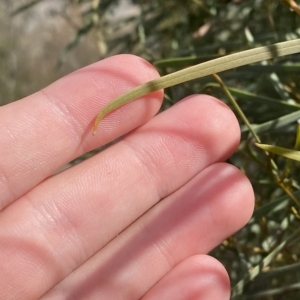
point(95, 127)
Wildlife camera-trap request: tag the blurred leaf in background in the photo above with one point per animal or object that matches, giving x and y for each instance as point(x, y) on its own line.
point(61, 36)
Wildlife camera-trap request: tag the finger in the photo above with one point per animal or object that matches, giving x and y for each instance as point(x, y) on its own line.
point(72, 215)
point(48, 129)
point(197, 277)
point(193, 220)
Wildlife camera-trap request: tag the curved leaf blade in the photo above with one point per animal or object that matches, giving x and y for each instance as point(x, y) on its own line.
point(208, 68)
point(285, 152)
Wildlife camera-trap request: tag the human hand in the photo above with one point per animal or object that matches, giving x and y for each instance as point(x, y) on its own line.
point(133, 222)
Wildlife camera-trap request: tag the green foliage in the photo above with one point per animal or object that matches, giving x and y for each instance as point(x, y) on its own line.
point(285, 152)
point(175, 34)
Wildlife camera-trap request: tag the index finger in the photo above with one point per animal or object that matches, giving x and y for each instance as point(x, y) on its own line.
point(50, 128)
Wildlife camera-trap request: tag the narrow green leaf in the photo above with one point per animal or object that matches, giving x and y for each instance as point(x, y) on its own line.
point(269, 293)
point(288, 153)
point(297, 142)
point(182, 62)
point(275, 124)
point(211, 67)
point(236, 106)
point(246, 95)
point(271, 207)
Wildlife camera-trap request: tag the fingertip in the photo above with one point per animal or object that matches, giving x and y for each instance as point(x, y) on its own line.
point(237, 203)
point(216, 115)
point(197, 277)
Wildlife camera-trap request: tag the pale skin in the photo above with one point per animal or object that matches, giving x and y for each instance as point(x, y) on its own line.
point(137, 220)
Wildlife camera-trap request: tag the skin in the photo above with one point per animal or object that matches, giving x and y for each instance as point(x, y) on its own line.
point(135, 221)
